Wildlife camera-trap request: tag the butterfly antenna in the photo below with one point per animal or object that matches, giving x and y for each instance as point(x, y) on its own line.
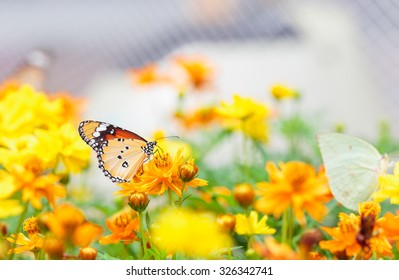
point(174, 136)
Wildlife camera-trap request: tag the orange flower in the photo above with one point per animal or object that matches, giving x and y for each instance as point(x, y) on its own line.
point(161, 174)
point(146, 75)
point(69, 223)
point(123, 226)
point(270, 249)
point(199, 71)
point(294, 184)
point(389, 223)
point(201, 117)
point(358, 236)
point(25, 173)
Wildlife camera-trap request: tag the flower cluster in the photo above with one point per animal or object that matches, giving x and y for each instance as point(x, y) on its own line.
point(193, 197)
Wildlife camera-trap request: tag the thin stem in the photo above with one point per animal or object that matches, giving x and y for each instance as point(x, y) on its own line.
point(181, 197)
point(142, 236)
point(21, 220)
point(170, 196)
point(36, 253)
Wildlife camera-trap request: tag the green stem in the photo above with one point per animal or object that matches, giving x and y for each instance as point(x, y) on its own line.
point(181, 197)
point(142, 236)
point(21, 220)
point(287, 227)
point(170, 196)
point(36, 253)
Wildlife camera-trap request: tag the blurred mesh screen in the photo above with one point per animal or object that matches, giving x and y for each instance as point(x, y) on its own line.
point(85, 37)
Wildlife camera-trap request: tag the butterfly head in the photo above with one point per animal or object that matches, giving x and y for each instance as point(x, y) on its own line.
point(149, 148)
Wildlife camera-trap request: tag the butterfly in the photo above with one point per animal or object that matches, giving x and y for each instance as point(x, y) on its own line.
point(120, 152)
point(353, 167)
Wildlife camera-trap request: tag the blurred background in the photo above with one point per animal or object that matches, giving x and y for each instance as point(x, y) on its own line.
point(342, 55)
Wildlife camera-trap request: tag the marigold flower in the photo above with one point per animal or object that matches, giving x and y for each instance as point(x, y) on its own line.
point(244, 194)
point(280, 91)
point(358, 236)
point(69, 223)
point(389, 187)
point(159, 175)
point(250, 225)
point(271, 249)
point(245, 115)
point(294, 184)
point(123, 226)
point(191, 233)
point(88, 253)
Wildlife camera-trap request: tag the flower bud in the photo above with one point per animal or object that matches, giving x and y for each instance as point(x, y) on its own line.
point(138, 201)
point(3, 229)
point(308, 240)
point(244, 194)
point(188, 170)
point(227, 222)
point(88, 253)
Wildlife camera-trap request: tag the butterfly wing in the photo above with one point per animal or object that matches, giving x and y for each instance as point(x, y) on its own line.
point(120, 152)
point(353, 167)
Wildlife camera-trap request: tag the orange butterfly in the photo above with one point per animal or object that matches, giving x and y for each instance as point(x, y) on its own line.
point(120, 152)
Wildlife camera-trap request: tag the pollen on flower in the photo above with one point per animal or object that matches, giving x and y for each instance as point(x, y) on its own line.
point(31, 226)
point(163, 161)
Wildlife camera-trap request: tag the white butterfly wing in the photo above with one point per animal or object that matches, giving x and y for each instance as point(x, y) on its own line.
point(353, 167)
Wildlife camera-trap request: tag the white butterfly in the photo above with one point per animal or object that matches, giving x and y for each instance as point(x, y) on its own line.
point(353, 167)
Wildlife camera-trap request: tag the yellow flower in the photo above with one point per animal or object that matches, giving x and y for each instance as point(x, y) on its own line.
point(271, 249)
point(32, 243)
point(250, 225)
point(161, 174)
point(191, 233)
point(123, 227)
point(23, 110)
point(245, 115)
point(358, 236)
point(280, 91)
point(389, 187)
point(10, 207)
point(294, 184)
point(25, 174)
point(63, 143)
point(69, 223)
